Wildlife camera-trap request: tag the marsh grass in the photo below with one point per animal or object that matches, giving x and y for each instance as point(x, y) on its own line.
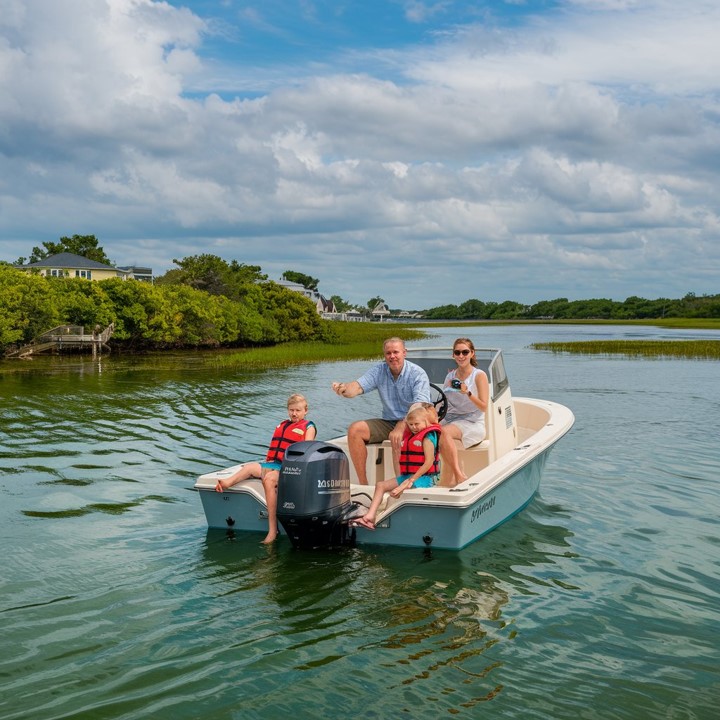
point(352, 341)
point(690, 349)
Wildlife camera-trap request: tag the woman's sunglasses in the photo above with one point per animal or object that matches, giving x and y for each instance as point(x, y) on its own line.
point(461, 352)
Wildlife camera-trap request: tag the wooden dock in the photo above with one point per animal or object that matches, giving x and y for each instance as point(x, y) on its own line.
point(65, 337)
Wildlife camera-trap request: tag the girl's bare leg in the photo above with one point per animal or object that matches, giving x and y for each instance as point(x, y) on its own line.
point(368, 519)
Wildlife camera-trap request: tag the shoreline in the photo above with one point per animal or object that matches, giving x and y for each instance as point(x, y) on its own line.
point(362, 341)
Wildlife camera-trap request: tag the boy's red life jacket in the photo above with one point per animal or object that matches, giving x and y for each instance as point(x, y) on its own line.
point(412, 454)
point(286, 433)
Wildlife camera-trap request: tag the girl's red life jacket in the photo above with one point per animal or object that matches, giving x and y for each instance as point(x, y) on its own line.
point(286, 433)
point(412, 454)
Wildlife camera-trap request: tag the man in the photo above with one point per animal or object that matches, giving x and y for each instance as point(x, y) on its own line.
point(400, 383)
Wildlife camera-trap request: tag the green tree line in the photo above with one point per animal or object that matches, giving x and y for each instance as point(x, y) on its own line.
point(633, 308)
point(205, 302)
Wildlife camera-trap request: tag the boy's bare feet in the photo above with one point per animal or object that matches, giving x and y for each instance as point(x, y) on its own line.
point(270, 538)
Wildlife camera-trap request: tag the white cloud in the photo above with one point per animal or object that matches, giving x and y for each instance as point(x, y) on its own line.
point(574, 157)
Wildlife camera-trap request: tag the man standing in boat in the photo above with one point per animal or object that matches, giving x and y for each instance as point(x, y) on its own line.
point(400, 383)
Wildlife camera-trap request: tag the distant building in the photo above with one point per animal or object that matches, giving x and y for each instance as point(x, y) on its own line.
point(380, 311)
point(143, 274)
point(324, 306)
point(67, 264)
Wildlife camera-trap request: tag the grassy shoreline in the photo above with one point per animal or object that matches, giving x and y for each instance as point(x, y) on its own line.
point(687, 349)
point(363, 341)
point(354, 341)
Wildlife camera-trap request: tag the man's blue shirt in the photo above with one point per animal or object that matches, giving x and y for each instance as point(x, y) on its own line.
point(397, 394)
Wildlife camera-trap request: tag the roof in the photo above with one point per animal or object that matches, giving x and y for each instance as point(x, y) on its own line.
point(69, 260)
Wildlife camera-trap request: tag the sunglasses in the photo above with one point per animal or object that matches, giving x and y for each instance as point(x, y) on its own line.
point(461, 352)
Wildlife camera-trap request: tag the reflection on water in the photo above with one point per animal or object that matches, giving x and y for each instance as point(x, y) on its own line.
point(109, 508)
point(432, 622)
point(117, 602)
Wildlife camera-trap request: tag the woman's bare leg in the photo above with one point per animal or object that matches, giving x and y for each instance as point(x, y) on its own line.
point(448, 451)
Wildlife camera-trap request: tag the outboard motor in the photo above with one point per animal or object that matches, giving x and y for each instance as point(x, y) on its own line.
point(314, 494)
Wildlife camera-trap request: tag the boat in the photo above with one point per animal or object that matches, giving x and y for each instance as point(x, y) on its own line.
point(318, 492)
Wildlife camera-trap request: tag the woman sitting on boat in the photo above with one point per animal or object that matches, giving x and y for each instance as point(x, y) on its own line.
point(467, 390)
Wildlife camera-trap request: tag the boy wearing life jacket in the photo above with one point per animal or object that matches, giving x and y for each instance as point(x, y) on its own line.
point(418, 463)
point(294, 429)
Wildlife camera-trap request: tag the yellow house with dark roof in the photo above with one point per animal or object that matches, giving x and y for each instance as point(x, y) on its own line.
point(67, 264)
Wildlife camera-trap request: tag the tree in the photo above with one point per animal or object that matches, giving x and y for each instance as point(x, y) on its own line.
point(296, 316)
point(372, 303)
point(80, 302)
point(506, 310)
point(472, 309)
point(340, 304)
point(213, 275)
point(203, 272)
point(84, 245)
point(310, 283)
point(27, 306)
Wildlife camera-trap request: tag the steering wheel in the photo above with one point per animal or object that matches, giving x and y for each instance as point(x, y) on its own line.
point(439, 400)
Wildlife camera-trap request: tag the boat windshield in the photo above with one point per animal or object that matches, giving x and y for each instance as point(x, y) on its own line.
point(437, 362)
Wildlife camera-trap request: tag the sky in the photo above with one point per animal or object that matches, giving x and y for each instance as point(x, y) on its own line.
point(426, 152)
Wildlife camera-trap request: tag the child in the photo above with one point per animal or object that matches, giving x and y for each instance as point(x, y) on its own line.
point(417, 465)
point(294, 429)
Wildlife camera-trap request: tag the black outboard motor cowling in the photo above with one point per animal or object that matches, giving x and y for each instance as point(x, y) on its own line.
point(314, 494)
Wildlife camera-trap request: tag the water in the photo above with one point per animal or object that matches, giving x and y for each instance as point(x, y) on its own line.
point(600, 600)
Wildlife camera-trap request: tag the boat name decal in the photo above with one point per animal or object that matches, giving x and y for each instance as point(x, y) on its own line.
point(291, 470)
point(480, 509)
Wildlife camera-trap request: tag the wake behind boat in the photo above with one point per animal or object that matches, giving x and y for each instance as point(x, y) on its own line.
point(318, 491)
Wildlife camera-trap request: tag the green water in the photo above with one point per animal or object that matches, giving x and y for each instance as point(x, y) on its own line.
point(600, 600)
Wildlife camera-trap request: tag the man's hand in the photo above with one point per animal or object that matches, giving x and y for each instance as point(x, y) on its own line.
point(396, 436)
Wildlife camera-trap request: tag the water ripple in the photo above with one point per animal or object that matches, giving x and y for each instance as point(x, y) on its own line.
point(599, 600)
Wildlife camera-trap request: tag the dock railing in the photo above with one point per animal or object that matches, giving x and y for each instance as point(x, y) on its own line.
point(65, 337)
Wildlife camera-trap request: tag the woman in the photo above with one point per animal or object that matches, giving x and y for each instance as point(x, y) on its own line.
point(466, 388)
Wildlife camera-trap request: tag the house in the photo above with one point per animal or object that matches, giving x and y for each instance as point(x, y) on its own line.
point(67, 264)
point(324, 306)
point(380, 311)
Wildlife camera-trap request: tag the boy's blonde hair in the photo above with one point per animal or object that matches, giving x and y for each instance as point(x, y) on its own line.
point(297, 398)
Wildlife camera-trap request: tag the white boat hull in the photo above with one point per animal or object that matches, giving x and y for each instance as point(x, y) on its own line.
point(436, 517)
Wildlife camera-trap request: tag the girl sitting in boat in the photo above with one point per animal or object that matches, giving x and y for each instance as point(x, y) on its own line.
point(418, 463)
